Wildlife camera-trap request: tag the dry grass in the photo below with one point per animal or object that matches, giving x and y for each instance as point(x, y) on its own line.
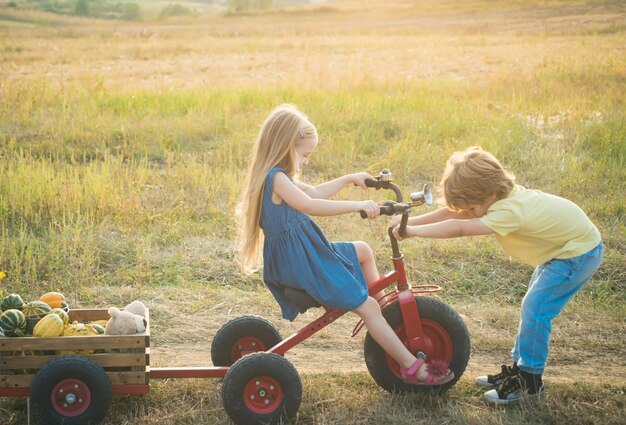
point(122, 148)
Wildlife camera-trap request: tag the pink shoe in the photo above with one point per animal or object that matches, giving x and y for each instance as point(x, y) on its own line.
point(438, 372)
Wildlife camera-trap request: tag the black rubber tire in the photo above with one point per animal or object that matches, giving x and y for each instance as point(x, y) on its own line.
point(70, 367)
point(430, 310)
point(249, 370)
point(223, 344)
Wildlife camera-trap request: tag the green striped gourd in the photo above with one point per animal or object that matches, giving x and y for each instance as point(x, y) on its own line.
point(13, 322)
point(35, 309)
point(12, 301)
point(51, 325)
point(62, 314)
point(96, 327)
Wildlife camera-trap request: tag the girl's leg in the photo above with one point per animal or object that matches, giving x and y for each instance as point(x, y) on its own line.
point(376, 324)
point(382, 333)
point(368, 265)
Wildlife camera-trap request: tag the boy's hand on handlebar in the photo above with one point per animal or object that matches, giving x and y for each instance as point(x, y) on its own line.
point(396, 231)
point(371, 208)
point(359, 179)
point(395, 220)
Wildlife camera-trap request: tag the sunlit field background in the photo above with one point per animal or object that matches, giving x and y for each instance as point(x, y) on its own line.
point(124, 145)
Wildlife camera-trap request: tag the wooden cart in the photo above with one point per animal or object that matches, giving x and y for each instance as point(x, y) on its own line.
point(75, 388)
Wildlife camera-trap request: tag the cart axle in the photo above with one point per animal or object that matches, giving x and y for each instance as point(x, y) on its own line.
point(188, 372)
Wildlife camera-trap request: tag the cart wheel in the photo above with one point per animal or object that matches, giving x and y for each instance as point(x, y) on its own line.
point(446, 338)
point(261, 388)
point(71, 390)
point(241, 336)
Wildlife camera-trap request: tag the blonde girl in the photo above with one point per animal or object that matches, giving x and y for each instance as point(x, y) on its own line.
point(278, 232)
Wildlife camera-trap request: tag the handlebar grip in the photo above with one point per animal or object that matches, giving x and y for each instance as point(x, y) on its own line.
point(387, 210)
point(403, 223)
point(383, 210)
point(371, 183)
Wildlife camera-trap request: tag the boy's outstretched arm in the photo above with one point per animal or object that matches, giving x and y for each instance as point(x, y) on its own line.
point(446, 229)
point(442, 214)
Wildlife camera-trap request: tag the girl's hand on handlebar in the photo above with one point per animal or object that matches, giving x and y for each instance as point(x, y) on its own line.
point(359, 179)
point(371, 208)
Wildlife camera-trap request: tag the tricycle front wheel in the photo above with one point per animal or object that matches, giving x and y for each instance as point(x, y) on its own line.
point(446, 338)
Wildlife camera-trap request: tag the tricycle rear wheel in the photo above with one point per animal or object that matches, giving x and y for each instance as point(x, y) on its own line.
point(261, 388)
point(70, 390)
point(240, 336)
point(446, 338)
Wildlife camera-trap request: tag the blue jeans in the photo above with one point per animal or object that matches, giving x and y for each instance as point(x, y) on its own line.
point(552, 285)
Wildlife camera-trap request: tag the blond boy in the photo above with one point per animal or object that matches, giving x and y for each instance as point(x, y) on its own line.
point(548, 232)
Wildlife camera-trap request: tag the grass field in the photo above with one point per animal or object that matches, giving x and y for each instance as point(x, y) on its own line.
point(123, 148)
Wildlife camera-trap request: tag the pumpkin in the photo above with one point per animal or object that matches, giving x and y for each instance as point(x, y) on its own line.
point(2, 332)
point(51, 325)
point(62, 314)
point(35, 309)
point(54, 300)
point(13, 322)
point(77, 329)
point(12, 301)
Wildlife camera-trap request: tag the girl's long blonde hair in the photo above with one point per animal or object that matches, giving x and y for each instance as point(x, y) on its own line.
point(275, 146)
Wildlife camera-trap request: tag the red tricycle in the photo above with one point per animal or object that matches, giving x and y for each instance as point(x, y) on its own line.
point(261, 386)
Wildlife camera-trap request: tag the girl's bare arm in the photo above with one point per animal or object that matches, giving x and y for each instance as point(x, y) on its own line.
point(300, 200)
point(331, 188)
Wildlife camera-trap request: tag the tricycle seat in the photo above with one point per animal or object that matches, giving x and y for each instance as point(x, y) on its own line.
point(301, 299)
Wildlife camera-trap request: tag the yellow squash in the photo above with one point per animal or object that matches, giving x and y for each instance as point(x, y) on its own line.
point(51, 325)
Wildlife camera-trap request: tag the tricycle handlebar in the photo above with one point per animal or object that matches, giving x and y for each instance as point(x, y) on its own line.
point(380, 183)
point(383, 181)
point(389, 208)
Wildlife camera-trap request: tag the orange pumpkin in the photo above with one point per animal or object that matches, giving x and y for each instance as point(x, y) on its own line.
point(54, 300)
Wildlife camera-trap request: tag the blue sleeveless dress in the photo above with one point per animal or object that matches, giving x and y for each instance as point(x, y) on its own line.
point(296, 254)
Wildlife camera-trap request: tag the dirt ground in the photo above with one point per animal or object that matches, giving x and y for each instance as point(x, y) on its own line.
point(334, 350)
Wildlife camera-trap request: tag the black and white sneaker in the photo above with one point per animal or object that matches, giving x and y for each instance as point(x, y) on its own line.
point(512, 390)
point(491, 381)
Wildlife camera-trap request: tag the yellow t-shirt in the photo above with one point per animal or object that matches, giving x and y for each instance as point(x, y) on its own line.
point(536, 227)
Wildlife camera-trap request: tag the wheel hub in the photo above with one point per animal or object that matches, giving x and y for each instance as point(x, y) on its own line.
point(263, 394)
point(245, 346)
point(437, 344)
point(70, 397)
